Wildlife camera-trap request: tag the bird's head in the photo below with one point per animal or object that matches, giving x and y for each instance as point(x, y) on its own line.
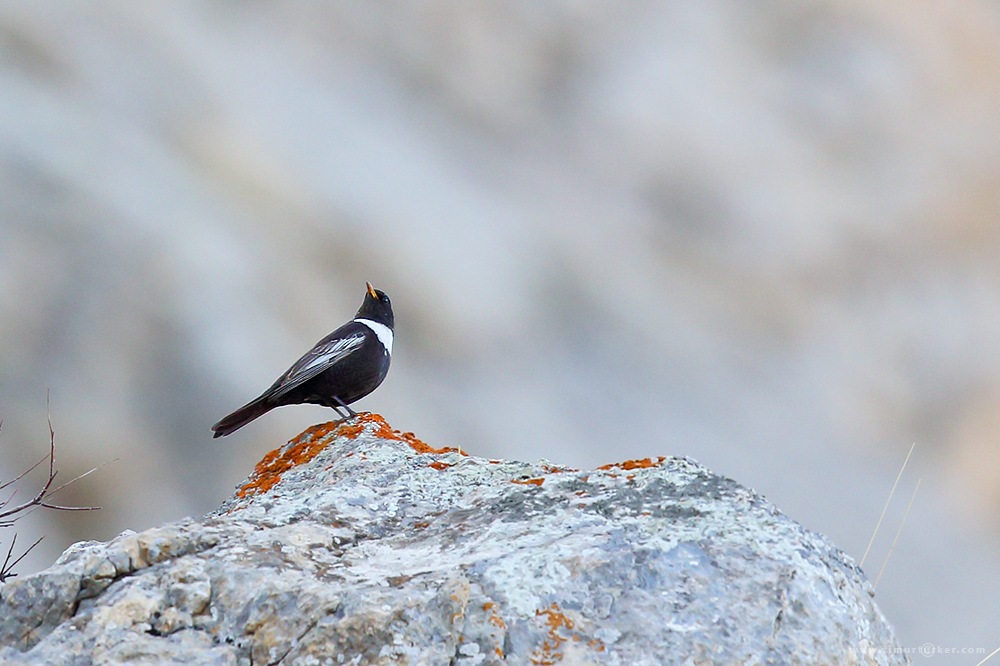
point(376, 307)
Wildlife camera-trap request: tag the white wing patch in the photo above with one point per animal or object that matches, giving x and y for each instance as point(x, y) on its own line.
point(318, 360)
point(383, 332)
point(329, 354)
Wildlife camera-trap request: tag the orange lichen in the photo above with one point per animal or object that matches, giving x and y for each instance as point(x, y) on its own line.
point(269, 470)
point(533, 482)
point(634, 464)
point(494, 610)
point(319, 430)
point(421, 525)
point(361, 421)
point(495, 619)
point(555, 619)
point(549, 652)
point(421, 447)
point(559, 626)
point(460, 613)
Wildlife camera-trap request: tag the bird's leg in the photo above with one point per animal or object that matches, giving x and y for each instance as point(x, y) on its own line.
point(344, 405)
point(335, 407)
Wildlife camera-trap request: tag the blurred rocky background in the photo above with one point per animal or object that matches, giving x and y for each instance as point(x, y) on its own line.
point(765, 235)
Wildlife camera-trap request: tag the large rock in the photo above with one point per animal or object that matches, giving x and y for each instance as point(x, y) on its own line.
point(357, 544)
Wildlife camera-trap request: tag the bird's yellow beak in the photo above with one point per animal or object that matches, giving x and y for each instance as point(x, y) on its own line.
point(371, 290)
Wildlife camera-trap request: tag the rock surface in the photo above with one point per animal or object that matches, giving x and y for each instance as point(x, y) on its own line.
point(357, 544)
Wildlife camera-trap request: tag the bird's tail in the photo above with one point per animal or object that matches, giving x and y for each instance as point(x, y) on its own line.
point(242, 416)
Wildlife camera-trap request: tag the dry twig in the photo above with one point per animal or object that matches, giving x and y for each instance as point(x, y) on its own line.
point(11, 513)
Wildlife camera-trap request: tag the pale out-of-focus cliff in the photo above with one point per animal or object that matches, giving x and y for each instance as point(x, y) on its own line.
point(765, 237)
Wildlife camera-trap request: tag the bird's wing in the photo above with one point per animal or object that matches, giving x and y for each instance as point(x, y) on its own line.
point(321, 357)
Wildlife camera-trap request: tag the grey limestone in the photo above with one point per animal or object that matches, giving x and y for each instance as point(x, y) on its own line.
point(355, 544)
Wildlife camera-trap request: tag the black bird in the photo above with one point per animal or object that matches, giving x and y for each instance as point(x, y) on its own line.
point(342, 368)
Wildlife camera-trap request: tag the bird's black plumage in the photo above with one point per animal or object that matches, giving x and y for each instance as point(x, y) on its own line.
point(342, 368)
